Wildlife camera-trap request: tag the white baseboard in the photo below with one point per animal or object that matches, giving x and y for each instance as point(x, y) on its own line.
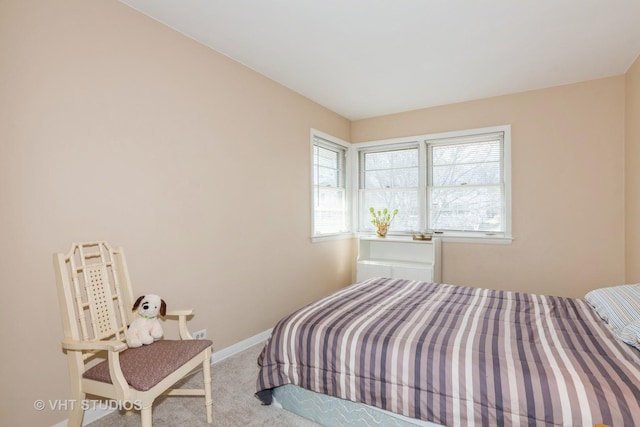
point(220, 355)
point(92, 415)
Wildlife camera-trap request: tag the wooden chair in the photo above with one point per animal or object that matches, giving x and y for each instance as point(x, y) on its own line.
point(96, 303)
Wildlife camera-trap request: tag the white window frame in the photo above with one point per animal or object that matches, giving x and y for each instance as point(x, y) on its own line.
point(375, 148)
point(347, 178)
point(451, 236)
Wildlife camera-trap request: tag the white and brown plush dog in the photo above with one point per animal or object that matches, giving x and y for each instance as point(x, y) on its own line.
point(146, 327)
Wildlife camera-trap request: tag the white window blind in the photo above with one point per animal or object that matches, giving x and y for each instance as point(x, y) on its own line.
point(466, 183)
point(329, 188)
point(389, 178)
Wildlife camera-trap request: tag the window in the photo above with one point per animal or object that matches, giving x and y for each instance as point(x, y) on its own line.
point(456, 184)
point(329, 187)
point(466, 184)
point(390, 178)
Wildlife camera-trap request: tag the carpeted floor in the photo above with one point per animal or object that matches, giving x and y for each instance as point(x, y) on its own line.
point(233, 384)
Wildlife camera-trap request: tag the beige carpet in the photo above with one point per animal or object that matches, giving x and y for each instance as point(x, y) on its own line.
point(233, 383)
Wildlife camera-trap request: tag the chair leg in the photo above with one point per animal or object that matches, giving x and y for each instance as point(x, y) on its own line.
point(76, 411)
point(208, 401)
point(146, 416)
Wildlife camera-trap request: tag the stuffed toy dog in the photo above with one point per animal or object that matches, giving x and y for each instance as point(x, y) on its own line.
point(146, 327)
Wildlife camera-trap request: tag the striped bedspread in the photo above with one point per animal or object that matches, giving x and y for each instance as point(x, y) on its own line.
point(457, 356)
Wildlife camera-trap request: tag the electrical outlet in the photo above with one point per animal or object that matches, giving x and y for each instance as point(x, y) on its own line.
point(200, 335)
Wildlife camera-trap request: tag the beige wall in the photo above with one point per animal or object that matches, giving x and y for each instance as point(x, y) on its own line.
point(115, 127)
point(567, 186)
point(632, 171)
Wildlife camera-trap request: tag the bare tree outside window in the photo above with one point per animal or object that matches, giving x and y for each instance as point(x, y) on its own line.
point(459, 186)
point(390, 179)
point(455, 183)
point(466, 191)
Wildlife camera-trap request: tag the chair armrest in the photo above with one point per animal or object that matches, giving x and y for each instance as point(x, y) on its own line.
point(175, 313)
point(115, 346)
point(182, 322)
point(113, 349)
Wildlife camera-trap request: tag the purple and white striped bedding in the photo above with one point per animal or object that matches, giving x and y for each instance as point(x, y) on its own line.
point(457, 356)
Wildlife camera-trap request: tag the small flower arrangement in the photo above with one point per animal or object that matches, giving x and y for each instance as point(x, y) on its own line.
point(382, 220)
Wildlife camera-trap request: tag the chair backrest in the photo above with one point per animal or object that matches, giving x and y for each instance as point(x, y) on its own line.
point(94, 292)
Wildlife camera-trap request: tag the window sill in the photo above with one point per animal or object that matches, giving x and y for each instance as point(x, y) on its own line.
point(328, 237)
point(483, 239)
point(451, 237)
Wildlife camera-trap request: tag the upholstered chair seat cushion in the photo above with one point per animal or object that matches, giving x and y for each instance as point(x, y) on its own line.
point(144, 367)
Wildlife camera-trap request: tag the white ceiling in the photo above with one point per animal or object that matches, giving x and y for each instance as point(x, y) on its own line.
point(365, 58)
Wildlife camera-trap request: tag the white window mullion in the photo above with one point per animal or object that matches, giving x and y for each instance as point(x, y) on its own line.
point(423, 199)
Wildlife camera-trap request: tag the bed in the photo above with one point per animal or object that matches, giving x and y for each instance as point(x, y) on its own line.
point(458, 356)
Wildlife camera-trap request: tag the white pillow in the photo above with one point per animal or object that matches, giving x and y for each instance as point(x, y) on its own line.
point(631, 334)
point(618, 305)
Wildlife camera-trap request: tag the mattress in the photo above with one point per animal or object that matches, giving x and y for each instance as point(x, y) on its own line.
point(456, 355)
point(335, 412)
